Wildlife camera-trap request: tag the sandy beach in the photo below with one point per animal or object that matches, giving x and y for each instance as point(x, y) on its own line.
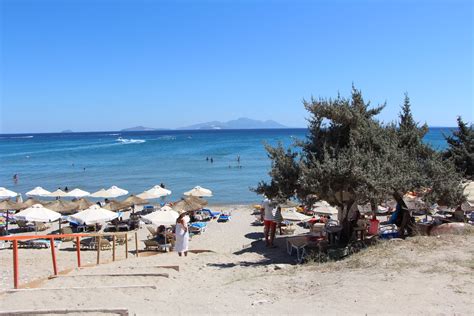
point(230, 271)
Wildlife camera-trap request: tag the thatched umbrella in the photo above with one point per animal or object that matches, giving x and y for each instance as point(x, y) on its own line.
point(83, 203)
point(188, 204)
point(134, 200)
point(115, 206)
point(62, 207)
point(7, 205)
point(30, 202)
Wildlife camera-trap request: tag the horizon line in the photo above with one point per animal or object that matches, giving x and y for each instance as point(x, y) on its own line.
point(175, 130)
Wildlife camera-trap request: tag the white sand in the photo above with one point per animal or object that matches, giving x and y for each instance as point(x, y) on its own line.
point(240, 276)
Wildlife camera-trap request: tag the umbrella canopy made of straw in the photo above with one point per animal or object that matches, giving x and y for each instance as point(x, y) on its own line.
point(62, 207)
point(154, 193)
point(161, 217)
point(134, 200)
point(30, 202)
point(6, 205)
point(83, 204)
point(38, 191)
point(78, 193)
point(199, 191)
point(115, 206)
point(188, 204)
point(38, 213)
point(93, 215)
point(5, 193)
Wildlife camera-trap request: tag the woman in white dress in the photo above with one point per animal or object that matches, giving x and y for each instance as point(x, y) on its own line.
point(182, 234)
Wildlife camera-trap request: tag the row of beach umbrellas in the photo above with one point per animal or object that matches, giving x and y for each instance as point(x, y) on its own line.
point(112, 192)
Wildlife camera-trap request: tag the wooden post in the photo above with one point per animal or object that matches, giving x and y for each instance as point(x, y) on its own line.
point(97, 239)
point(113, 248)
point(136, 244)
point(78, 251)
point(15, 263)
point(53, 256)
point(126, 245)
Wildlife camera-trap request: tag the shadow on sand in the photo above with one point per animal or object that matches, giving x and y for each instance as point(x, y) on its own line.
point(275, 255)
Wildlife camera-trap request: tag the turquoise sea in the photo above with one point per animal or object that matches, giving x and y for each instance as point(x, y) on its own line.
point(137, 161)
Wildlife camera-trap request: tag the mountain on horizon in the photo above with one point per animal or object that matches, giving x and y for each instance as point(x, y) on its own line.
point(240, 123)
point(138, 129)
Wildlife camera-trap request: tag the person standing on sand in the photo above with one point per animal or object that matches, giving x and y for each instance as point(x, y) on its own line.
point(182, 234)
point(268, 222)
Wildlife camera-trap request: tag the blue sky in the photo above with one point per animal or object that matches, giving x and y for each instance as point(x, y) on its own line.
point(107, 65)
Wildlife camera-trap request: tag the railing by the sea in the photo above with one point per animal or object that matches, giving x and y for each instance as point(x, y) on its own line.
point(76, 237)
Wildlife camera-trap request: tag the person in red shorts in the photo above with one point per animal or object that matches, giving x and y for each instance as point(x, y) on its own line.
point(269, 222)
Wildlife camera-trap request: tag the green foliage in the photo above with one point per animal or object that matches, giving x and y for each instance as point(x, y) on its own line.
point(461, 149)
point(350, 157)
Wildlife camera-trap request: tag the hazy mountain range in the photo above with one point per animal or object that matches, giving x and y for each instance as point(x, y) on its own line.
point(240, 123)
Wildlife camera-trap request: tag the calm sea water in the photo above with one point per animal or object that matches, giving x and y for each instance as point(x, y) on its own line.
point(138, 160)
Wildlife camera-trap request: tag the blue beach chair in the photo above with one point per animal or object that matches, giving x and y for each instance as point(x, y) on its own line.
point(212, 214)
point(224, 217)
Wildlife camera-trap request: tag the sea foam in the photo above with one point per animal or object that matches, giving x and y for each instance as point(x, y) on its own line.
point(130, 141)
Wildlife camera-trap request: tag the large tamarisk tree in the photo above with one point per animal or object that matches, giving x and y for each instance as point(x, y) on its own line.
point(461, 149)
point(349, 157)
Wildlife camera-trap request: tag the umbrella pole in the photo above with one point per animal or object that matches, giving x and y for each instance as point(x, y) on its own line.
point(6, 223)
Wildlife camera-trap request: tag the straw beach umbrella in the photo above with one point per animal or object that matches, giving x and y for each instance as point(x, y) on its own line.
point(62, 207)
point(154, 193)
point(7, 205)
point(78, 193)
point(199, 191)
point(134, 200)
point(188, 204)
point(115, 206)
point(93, 215)
point(30, 202)
point(5, 193)
point(83, 203)
point(38, 191)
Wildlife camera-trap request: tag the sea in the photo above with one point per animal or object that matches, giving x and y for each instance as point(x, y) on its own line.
point(136, 161)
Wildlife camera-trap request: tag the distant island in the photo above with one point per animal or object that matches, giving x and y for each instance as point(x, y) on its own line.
point(140, 129)
point(240, 123)
point(67, 131)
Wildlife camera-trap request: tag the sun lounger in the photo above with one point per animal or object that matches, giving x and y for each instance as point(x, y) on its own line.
point(197, 227)
point(151, 244)
point(24, 226)
point(41, 226)
point(38, 243)
point(224, 217)
point(67, 230)
point(212, 214)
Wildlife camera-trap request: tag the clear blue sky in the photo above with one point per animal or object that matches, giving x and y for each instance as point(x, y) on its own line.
point(108, 65)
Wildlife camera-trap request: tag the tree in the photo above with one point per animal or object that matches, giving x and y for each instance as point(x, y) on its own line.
point(461, 149)
point(349, 157)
